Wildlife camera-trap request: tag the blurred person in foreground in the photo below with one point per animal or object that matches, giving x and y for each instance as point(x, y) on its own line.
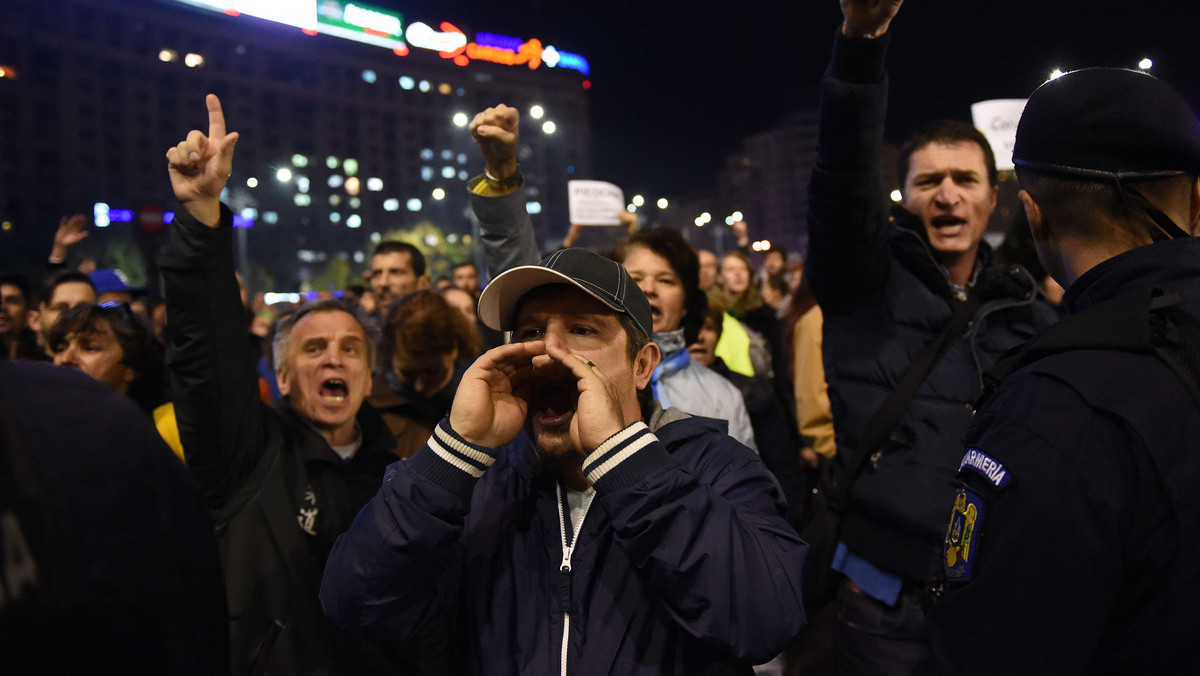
point(1073, 544)
point(283, 481)
point(890, 286)
point(109, 563)
point(576, 526)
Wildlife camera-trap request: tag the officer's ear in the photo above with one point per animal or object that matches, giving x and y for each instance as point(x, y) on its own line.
point(1035, 216)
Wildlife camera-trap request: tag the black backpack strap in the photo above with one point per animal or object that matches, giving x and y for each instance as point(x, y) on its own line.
point(837, 484)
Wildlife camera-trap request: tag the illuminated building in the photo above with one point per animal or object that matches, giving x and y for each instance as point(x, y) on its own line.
point(768, 179)
point(365, 107)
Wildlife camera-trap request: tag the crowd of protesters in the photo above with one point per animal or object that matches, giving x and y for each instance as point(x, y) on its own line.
point(399, 477)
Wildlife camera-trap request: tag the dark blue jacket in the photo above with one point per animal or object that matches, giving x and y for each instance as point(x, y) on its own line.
point(684, 564)
point(1086, 541)
point(885, 297)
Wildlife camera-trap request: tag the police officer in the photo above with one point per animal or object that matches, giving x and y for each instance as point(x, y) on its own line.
point(1074, 543)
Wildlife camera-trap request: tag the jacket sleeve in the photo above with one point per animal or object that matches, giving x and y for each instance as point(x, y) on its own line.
point(210, 357)
point(400, 564)
point(848, 212)
point(505, 230)
point(714, 545)
point(1048, 563)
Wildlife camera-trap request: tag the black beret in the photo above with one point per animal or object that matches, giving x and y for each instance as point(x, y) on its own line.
point(1108, 123)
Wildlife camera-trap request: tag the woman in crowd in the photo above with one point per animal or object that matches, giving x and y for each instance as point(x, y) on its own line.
point(431, 344)
point(746, 303)
point(116, 346)
point(666, 268)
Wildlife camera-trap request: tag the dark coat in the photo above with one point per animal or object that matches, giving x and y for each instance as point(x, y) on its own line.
point(885, 298)
point(280, 495)
point(1086, 537)
point(684, 563)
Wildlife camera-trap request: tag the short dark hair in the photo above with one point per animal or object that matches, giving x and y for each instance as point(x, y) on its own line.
point(945, 132)
point(415, 257)
point(140, 348)
point(18, 280)
point(683, 259)
point(463, 264)
point(46, 293)
point(282, 334)
point(782, 251)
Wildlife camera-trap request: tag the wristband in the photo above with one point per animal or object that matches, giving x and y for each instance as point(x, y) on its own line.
point(513, 180)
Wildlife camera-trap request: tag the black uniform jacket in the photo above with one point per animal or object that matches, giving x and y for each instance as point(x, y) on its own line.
point(1077, 531)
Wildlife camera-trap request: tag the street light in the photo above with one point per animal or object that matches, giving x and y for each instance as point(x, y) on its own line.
point(549, 127)
point(460, 119)
point(537, 112)
point(662, 203)
point(638, 200)
point(284, 175)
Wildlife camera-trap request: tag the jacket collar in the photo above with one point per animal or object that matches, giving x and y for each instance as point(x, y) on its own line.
point(376, 439)
point(1160, 264)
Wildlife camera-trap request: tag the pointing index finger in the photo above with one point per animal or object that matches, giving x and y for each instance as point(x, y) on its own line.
point(216, 118)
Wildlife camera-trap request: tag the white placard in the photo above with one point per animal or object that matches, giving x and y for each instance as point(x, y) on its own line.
point(997, 119)
point(595, 202)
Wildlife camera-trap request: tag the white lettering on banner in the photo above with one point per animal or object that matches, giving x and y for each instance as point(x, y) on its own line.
point(984, 464)
point(595, 202)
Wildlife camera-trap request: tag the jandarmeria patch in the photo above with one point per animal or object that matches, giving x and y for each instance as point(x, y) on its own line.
point(962, 535)
point(986, 466)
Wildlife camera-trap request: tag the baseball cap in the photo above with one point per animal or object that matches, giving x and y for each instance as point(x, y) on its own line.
point(601, 278)
point(1108, 124)
point(111, 279)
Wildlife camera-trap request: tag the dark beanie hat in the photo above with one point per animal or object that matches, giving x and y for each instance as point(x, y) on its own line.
point(1108, 123)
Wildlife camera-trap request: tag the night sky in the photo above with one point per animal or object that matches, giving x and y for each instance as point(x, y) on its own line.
point(677, 85)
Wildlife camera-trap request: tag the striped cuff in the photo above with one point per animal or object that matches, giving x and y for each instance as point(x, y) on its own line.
point(452, 461)
point(625, 458)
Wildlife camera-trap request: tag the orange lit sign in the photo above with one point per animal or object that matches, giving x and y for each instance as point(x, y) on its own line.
point(529, 53)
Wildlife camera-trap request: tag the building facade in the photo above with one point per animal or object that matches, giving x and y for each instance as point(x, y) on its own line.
point(352, 121)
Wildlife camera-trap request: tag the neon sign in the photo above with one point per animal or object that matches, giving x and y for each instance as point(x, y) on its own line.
point(449, 42)
point(376, 26)
point(528, 53)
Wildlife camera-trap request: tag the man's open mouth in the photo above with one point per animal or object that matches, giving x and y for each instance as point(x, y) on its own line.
point(655, 312)
point(334, 389)
point(947, 221)
point(554, 403)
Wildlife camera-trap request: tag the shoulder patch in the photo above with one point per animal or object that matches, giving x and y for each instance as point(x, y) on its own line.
point(986, 466)
point(962, 535)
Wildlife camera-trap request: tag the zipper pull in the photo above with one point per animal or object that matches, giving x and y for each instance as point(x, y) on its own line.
point(564, 589)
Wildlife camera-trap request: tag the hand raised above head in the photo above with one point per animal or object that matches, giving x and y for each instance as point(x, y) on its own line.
point(868, 18)
point(492, 399)
point(496, 131)
point(200, 165)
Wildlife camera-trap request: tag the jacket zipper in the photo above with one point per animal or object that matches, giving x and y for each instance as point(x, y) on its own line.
point(568, 548)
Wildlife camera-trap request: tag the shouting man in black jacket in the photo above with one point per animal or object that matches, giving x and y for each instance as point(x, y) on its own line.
point(283, 482)
point(888, 285)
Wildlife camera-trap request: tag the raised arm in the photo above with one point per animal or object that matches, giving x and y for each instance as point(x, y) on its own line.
point(498, 197)
point(210, 357)
point(848, 210)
